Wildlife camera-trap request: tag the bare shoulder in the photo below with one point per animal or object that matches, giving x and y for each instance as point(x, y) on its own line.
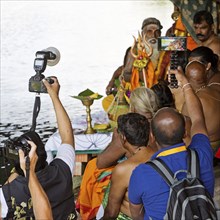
point(118, 71)
point(209, 98)
point(209, 91)
point(123, 170)
point(215, 45)
point(214, 82)
point(127, 166)
point(123, 167)
point(217, 39)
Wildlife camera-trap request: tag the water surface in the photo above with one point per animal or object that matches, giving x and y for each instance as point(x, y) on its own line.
point(92, 37)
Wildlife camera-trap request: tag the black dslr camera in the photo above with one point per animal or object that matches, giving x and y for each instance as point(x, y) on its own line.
point(175, 45)
point(51, 57)
point(11, 147)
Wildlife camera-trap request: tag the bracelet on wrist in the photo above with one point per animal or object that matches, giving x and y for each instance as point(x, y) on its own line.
point(187, 84)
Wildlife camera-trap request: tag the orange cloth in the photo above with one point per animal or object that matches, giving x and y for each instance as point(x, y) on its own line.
point(152, 76)
point(179, 25)
point(162, 66)
point(135, 78)
point(191, 44)
point(180, 30)
point(147, 70)
point(92, 189)
point(151, 79)
point(164, 59)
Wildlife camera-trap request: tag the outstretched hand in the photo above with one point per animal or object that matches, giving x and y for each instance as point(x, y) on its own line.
point(52, 89)
point(32, 155)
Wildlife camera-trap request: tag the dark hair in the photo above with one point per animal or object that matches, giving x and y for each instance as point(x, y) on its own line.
point(164, 94)
point(150, 20)
point(174, 134)
point(203, 16)
point(206, 56)
point(135, 128)
point(40, 151)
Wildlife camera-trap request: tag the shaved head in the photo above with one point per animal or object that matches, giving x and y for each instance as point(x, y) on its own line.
point(196, 72)
point(168, 127)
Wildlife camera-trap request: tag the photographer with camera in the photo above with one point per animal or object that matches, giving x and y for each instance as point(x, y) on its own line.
point(55, 178)
point(41, 204)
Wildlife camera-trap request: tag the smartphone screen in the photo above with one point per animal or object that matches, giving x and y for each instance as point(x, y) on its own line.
point(172, 43)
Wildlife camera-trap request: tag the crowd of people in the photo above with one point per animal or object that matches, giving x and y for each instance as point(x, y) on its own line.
point(161, 122)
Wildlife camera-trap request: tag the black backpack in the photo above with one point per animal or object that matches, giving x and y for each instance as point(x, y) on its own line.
point(188, 198)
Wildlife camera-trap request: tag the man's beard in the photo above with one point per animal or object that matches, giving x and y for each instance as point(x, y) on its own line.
point(155, 55)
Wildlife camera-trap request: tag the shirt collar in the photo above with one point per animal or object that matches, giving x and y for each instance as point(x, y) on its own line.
point(166, 148)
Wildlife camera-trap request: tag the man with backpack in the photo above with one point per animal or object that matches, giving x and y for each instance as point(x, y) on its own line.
point(148, 190)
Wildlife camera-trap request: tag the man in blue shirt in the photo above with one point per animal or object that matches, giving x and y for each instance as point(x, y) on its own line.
point(147, 188)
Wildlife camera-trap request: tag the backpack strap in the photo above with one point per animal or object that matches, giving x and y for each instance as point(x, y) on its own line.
point(193, 163)
point(160, 166)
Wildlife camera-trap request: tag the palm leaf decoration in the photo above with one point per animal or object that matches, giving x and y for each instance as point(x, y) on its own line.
point(87, 94)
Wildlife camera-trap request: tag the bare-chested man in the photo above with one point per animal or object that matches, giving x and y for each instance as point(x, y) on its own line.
point(206, 56)
point(209, 97)
point(133, 129)
point(210, 60)
point(204, 28)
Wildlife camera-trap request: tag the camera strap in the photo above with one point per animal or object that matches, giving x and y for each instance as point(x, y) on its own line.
point(36, 111)
point(27, 167)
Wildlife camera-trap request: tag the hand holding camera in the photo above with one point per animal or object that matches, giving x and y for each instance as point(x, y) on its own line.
point(12, 146)
point(32, 155)
point(52, 88)
point(49, 56)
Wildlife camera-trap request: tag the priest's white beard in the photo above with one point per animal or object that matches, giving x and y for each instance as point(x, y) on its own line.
point(155, 55)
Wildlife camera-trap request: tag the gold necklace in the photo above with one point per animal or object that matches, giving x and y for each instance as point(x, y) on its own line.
point(202, 87)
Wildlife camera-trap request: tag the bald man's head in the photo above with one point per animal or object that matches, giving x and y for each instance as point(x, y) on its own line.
point(168, 127)
point(196, 72)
